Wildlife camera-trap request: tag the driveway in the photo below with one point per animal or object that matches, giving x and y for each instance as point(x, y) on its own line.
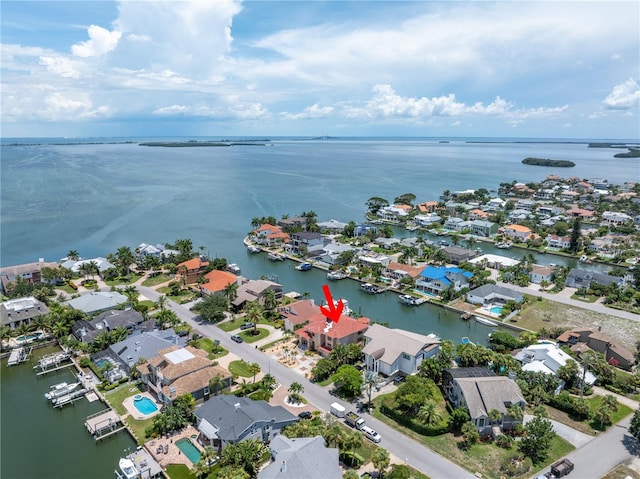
point(572, 436)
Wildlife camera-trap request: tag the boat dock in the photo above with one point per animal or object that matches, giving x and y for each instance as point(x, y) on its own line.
point(69, 398)
point(17, 356)
point(53, 362)
point(146, 466)
point(103, 424)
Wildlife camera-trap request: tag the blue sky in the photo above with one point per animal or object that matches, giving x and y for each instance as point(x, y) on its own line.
point(287, 68)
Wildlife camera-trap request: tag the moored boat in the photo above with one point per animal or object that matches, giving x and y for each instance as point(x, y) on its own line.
point(504, 245)
point(304, 266)
point(128, 468)
point(371, 288)
point(275, 257)
point(336, 275)
point(233, 268)
point(486, 321)
point(253, 249)
point(60, 390)
point(409, 300)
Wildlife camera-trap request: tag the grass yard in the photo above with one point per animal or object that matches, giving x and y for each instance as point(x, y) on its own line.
point(621, 472)
point(231, 325)
point(123, 280)
point(240, 368)
point(585, 298)
point(591, 427)
point(248, 336)
point(118, 395)
point(207, 345)
point(594, 403)
point(179, 471)
point(139, 428)
point(157, 279)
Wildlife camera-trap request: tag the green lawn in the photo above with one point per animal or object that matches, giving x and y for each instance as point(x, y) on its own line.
point(594, 403)
point(122, 280)
point(248, 336)
point(148, 303)
point(118, 395)
point(179, 471)
point(231, 325)
point(157, 279)
point(240, 368)
point(139, 428)
point(207, 345)
point(585, 298)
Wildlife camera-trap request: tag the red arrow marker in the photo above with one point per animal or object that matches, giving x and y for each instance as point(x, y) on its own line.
point(333, 313)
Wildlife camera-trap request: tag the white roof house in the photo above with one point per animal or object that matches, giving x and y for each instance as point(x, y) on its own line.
point(97, 301)
point(547, 358)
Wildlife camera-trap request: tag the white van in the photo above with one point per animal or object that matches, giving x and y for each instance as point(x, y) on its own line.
point(371, 434)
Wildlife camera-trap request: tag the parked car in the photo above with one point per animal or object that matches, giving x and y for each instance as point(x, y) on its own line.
point(399, 378)
point(236, 338)
point(305, 415)
point(246, 326)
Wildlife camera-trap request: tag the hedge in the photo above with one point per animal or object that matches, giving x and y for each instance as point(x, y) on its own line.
point(412, 424)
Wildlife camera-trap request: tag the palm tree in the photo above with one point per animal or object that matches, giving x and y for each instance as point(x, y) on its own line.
point(268, 383)
point(587, 360)
point(352, 441)
point(253, 368)
point(254, 315)
point(380, 460)
point(5, 333)
point(92, 268)
point(515, 412)
point(370, 381)
point(428, 413)
point(23, 329)
point(294, 392)
point(162, 301)
point(495, 416)
point(230, 291)
point(270, 301)
point(132, 293)
point(334, 434)
point(124, 258)
point(73, 255)
point(216, 383)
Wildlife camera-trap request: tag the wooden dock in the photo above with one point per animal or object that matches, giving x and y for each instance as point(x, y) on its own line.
point(53, 362)
point(103, 424)
point(19, 355)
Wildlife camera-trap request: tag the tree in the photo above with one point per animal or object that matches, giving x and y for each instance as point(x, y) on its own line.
point(350, 474)
point(216, 384)
point(352, 441)
point(244, 454)
point(603, 414)
point(334, 434)
point(375, 203)
point(370, 381)
point(132, 293)
point(470, 435)
point(294, 392)
point(587, 360)
point(73, 255)
point(254, 314)
point(537, 439)
point(212, 308)
point(428, 413)
point(634, 427)
point(405, 199)
point(124, 257)
point(574, 241)
point(458, 418)
point(381, 460)
point(349, 380)
point(231, 291)
point(253, 368)
point(270, 300)
point(495, 416)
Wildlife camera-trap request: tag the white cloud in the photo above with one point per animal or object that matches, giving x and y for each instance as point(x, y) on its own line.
point(62, 66)
point(314, 111)
point(623, 96)
point(100, 41)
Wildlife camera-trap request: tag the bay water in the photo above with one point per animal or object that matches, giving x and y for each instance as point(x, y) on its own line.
point(95, 195)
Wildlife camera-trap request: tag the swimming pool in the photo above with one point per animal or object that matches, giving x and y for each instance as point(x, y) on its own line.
point(29, 337)
point(188, 449)
point(496, 310)
point(102, 362)
point(145, 405)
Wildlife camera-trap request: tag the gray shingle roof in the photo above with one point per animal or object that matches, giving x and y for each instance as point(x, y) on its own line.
point(301, 458)
point(487, 393)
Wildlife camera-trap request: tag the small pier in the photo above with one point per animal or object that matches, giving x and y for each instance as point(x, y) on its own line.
point(146, 466)
point(69, 398)
point(103, 424)
point(53, 362)
point(19, 355)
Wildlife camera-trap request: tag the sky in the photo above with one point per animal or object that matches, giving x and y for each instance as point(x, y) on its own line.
point(222, 68)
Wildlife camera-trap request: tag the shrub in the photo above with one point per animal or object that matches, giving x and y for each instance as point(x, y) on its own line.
point(515, 465)
point(504, 441)
point(85, 362)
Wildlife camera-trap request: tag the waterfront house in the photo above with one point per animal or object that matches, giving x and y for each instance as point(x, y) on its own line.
point(157, 251)
point(495, 204)
point(323, 335)
point(301, 458)
point(332, 226)
point(188, 271)
point(295, 223)
point(97, 301)
point(216, 281)
point(493, 295)
point(427, 207)
point(615, 218)
point(129, 319)
point(547, 358)
point(580, 213)
point(254, 290)
point(332, 251)
point(494, 261)
point(16, 311)
point(298, 313)
point(457, 255)
point(394, 213)
point(391, 351)
point(30, 272)
point(436, 279)
point(478, 214)
point(519, 215)
point(427, 219)
point(556, 242)
point(516, 232)
point(228, 419)
point(486, 229)
point(270, 235)
point(313, 242)
point(540, 273)
point(480, 391)
point(582, 278)
point(387, 243)
point(525, 204)
point(373, 259)
point(176, 371)
point(454, 223)
point(76, 265)
point(614, 352)
point(398, 271)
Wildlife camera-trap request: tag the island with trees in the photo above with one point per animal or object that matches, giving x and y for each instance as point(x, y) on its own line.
point(548, 162)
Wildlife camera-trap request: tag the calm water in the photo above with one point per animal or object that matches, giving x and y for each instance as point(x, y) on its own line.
point(39, 441)
point(96, 198)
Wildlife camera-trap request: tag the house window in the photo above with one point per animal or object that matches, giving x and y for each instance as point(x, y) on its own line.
point(406, 356)
point(481, 422)
point(206, 390)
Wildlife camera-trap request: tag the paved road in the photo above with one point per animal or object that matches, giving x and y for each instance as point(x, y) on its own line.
point(412, 452)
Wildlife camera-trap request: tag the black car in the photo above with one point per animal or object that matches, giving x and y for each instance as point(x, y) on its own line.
point(398, 379)
point(237, 338)
point(246, 326)
point(304, 415)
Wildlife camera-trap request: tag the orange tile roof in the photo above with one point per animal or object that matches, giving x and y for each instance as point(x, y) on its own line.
point(413, 271)
point(193, 264)
point(406, 208)
point(427, 206)
point(346, 326)
point(218, 280)
point(522, 229)
point(268, 227)
point(299, 312)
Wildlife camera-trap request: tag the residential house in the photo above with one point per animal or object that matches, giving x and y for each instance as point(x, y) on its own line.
point(188, 271)
point(323, 335)
point(301, 458)
point(158, 251)
point(398, 271)
point(614, 352)
point(519, 215)
point(76, 265)
point(480, 391)
point(295, 223)
point(140, 346)
point(486, 229)
point(436, 279)
point(298, 313)
point(270, 235)
point(130, 319)
point(478, 214)
point(606, 246)
point(580, 213)
point(540, 273)
point(313, 242)
point(569, 196)
point(21, 310)
point(391, 351)
point(387, 243)
point(177, 371)
point(363, 229)
point(556, 242)
point(457, 255)
point(525, 204)
point(216, 281)
point(427, 207)
point(454, 223)
point(495, 204)
point(332, 226)
point(97, 301)
point(332, 252)
point(254, 290)
point(615, 218)
point(582, 278)
point(228, 419)
point(494, 261)
point(493, 295)
point(427, 219)
point(394, 213)
point(547, 357)
point(29, 271)
point(373, 259)
point(516, 232)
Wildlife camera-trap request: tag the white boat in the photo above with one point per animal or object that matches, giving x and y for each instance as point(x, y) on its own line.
point(60, 390)
point(233, 268)
point(371, 288)
point(504, 245)
point(304, 267)
point(486, 321)
point(275, 257)
point(128, 468)
point(253, 249)
point(336, 275)
point(409, 300)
